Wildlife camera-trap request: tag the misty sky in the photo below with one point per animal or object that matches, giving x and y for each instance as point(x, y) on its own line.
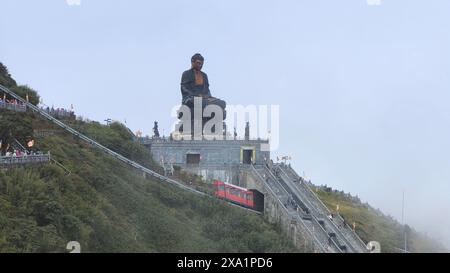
point(363, 90)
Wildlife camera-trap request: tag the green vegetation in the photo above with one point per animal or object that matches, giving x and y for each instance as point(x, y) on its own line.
point(110, 207)
point(373, 225)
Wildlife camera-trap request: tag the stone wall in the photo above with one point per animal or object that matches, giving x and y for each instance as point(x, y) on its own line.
point(212, 152)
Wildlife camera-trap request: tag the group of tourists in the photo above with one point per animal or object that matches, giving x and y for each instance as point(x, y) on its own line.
point(19, 153)
point(12, 104)
point(59, 112)
point(11, 101)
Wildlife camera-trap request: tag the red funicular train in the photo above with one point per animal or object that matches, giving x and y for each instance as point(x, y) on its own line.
point(248, 198)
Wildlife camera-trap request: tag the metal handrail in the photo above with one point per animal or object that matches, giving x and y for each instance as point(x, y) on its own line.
point(62, 167)
point(313, 216)
point(344, 238)
point(340, 216)
point(106, 150)
point(149, 140)
point(11, 159)
point(326, 208)
point(286, 210)
point(20, 145)
point(98, 145)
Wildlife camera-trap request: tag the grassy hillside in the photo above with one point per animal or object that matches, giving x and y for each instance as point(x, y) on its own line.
point(109, 207)
point(373, 225)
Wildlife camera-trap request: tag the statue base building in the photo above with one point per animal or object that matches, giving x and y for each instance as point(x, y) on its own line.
point(212, 159)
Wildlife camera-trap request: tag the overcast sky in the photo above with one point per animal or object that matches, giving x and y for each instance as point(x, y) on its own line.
point(364, 90)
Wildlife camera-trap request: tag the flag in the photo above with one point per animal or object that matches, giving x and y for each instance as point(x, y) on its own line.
point(30, 143)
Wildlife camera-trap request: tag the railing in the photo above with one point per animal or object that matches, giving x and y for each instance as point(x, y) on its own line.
point(311, 200)
point(221, 166)
point(120, 157)
point(61, 166)
point(13, 106)
point(311, 233)
point(150, 140)
point(44, 132)
point(314, 218)
point(17, 144)
point(98, 145)
point(353, 233)
point(24, 159)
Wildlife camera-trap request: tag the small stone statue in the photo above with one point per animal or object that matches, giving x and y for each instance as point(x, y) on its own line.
point(247, 130)
point(155, 130)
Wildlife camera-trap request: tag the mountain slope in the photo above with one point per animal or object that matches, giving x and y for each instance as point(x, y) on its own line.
point(107, 206)
point(372, 225)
